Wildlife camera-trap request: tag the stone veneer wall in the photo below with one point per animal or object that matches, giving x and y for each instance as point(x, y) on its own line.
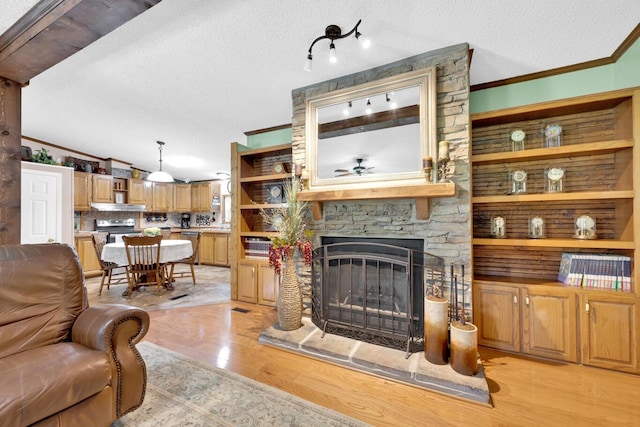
point(447, 232)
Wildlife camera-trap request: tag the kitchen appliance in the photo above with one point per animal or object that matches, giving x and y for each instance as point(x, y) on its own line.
point(193, 237)
point(185, 220)
point(116, 228)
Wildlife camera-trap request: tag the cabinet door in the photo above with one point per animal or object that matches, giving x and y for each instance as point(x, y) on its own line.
point(247, 281)
point(549, 323)
point(267, 285)
point(221, 249)
point(87, 256)
point(201, 195)
point(205, 254)
point(136, 192)
point(182, 198)
point(609, 337)
point(160, 197)
point(102, 191)
point(497, 316)
point(81, 191)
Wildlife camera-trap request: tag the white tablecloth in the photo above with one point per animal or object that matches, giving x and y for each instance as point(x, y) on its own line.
point(170, 250)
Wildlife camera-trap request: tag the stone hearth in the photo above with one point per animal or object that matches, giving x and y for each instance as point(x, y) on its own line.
point(381, 361)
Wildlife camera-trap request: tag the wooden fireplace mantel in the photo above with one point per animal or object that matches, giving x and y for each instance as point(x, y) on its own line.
point(420, 192)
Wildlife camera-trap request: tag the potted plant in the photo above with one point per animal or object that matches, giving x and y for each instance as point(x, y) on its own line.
point(43, 156)
point(288, 222)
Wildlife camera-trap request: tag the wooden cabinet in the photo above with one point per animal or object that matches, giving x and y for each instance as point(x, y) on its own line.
point(267, 285)
point(82, 185)
point(182, 197)
point(214, 248)
point(102, 189)
point(136, 192)
point(247, 281)
point(87, 256)
point(159, 197)
point(202, 196)
point(221, 249)
point(597, 156)
point(527, 319)
point(609, 331)
point(206, 249)
point(252, 175)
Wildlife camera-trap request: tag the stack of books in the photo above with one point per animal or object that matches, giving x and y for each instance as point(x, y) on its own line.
point(600, 271)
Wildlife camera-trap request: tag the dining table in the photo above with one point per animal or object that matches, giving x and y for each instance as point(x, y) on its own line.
point(170, 250)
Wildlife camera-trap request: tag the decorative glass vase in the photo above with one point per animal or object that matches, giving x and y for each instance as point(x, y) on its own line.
point(289, 296)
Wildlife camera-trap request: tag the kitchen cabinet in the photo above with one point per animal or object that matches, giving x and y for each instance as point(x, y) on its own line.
point(252, 280)
point(214, 249)
point(102, 189)
point(182, 198)
point(206, 249)
point(87, 255)
point(202, 194)
point(136, 192)
point(82, 185)
point(519, 304)
point(221, 249)
point(159, 197)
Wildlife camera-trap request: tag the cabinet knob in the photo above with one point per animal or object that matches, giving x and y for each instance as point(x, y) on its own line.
point(515, 299)
point(526, 300)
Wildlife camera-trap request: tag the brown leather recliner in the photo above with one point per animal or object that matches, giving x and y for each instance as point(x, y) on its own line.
point(63, 363)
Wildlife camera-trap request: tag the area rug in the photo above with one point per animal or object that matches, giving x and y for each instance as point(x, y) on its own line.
point(212, 287)
point(182, 391)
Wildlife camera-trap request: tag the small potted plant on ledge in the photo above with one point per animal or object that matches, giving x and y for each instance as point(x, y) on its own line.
point(288, 222)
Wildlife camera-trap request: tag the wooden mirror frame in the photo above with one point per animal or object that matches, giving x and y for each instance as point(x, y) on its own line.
point(425, 80)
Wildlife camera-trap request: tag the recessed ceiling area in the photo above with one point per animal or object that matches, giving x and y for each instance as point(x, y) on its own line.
point(199, 74)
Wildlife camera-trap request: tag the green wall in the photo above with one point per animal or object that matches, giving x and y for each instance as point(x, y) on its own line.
point(268, 139)
point(625, 73)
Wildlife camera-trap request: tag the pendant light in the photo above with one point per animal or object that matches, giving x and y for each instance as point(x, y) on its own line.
point(160, 175)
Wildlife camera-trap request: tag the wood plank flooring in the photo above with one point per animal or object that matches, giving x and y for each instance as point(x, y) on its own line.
point(525, 392)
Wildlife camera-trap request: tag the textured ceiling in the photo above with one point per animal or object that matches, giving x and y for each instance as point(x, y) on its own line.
point(197, 74)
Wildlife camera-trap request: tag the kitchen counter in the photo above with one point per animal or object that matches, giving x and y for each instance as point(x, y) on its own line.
point(202, 230)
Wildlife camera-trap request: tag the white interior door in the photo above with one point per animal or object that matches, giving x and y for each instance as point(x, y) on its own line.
point(46, 214)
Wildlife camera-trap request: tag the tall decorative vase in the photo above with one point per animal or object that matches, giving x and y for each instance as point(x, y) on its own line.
point(436, 330)
point(289, 296)
point(464, 348)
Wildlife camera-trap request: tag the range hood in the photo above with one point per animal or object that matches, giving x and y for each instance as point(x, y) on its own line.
point(118, 207)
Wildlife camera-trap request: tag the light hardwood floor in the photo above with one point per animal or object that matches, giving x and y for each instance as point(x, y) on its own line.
point(525, 392)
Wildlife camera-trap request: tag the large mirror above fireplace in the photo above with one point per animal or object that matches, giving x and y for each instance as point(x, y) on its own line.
point(372, 135)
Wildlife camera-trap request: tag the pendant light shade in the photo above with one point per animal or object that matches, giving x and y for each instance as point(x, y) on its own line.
point(160, 175)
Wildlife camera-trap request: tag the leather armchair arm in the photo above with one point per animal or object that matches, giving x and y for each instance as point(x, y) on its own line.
point(115, 329)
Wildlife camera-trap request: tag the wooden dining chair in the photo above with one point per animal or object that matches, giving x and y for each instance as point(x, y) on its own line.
point(105, 267)
point(186, 261)
point(143, 253)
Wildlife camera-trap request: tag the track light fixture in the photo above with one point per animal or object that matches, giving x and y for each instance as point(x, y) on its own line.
point(333, 33)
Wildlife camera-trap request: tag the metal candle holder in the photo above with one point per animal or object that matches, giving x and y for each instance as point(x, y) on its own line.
point(443, 169)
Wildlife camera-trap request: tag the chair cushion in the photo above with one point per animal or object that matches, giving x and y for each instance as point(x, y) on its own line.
point(42, 294)
point(46, 380)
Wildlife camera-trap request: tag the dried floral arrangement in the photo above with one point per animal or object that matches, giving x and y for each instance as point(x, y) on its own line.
point(288, 222)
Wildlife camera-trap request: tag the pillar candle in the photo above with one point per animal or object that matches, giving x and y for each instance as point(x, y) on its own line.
point(427, 162)
point(443, 150)
point(298, 169)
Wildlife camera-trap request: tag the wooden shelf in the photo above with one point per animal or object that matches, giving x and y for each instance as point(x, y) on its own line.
point(546, 197)
point(262, 178)
point(557, 243)
point(258, 234)
point(555, 152)
point(256, 206)
point(421, 192)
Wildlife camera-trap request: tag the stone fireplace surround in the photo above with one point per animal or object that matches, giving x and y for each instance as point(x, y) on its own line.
point(447, 231)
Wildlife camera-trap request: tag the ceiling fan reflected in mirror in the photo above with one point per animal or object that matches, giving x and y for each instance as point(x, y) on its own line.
point(358, 169)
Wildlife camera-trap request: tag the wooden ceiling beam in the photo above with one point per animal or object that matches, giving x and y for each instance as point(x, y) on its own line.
point(53, 30)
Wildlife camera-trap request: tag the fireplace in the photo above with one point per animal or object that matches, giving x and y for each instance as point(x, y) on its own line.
point(372, 289)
